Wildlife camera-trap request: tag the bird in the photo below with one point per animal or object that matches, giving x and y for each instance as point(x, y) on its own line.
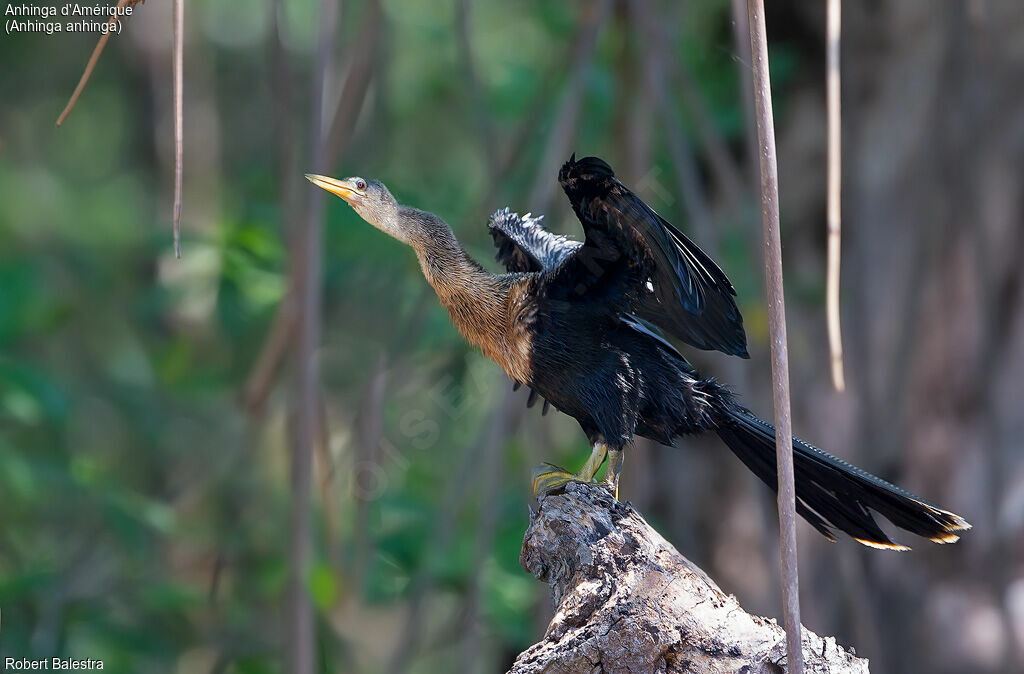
point(592, 327)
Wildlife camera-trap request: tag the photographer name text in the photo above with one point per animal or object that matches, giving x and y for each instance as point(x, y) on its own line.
point(50, 664)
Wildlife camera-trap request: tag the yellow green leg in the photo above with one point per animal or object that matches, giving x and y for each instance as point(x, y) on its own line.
point(548, 478)
point(616, 458)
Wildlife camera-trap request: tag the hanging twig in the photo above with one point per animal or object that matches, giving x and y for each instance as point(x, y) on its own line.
point(97, 50)
point(179, 134)
point(777, 328)
point(178, 11)
point(835, 338)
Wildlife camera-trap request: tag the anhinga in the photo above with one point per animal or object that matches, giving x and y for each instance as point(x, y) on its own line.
point(584, 325)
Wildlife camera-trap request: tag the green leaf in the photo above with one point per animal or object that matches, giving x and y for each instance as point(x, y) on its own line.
point(322, 586)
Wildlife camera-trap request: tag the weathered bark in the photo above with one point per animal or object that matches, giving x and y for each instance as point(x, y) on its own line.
point(627, 601)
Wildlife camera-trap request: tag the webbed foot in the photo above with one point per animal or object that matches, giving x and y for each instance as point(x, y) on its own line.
point(549, 478)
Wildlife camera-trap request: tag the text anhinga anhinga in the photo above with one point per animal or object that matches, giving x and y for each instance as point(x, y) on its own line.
point(584, 325)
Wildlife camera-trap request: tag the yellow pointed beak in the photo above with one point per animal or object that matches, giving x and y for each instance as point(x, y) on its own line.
point(342, 188)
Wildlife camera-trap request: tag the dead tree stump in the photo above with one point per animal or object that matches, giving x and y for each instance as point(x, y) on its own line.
point(627, 601)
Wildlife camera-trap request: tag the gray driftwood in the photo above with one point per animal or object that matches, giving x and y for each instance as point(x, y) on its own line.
point(627, 601)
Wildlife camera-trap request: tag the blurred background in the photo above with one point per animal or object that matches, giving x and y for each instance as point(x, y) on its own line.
point(145, 401)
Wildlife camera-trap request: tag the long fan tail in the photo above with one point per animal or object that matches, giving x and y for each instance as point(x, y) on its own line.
point(831, 493)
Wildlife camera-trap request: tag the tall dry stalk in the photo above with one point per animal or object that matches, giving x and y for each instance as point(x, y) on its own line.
point(777, 330)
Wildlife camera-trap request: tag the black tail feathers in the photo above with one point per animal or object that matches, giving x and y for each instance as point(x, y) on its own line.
point(831, 493)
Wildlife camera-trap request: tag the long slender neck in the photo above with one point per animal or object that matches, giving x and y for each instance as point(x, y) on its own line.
point(454, 275)
point(476, 300)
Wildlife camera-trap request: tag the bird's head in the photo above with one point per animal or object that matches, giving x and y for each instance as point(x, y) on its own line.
point(372, 201)
point(586, 179)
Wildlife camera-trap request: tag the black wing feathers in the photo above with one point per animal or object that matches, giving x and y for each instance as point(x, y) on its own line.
point(681, 289)
point(832, 493)
point(524, 245)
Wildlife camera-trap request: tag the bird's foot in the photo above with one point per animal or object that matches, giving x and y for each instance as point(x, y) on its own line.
point(549, 478)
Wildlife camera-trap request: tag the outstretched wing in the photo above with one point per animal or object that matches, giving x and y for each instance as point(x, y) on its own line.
point(524, 245)
point(670, 282)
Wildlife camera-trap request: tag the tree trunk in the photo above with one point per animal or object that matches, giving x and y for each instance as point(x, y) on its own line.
point(627, 601)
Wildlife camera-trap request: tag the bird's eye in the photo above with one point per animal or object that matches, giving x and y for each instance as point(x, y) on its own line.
point(360, 184)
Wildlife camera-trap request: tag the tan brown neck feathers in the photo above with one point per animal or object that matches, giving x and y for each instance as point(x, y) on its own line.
point(478, 302)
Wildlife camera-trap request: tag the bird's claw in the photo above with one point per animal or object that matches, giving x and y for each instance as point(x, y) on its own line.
point(549, 478)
